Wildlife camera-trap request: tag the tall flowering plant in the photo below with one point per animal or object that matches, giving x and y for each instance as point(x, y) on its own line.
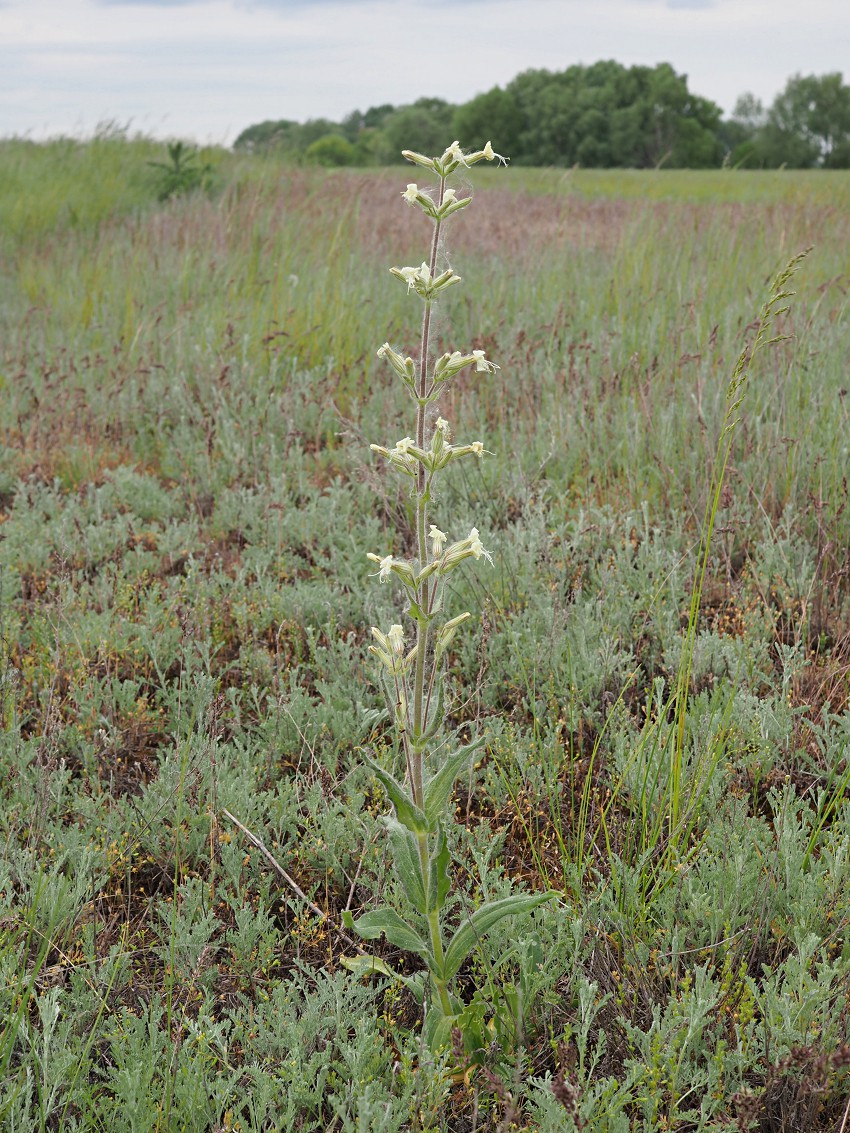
point(411, 661)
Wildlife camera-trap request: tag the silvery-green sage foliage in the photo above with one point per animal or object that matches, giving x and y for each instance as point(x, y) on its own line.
point(411, 663)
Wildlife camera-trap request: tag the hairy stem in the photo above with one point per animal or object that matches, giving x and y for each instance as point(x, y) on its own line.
point(433, 917)
point(422, 626)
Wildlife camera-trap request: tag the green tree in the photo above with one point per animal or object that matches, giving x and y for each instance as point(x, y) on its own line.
point(425, 126)
point(287, 138)
point(331, 150)
point(610, 115)
point(266, 135)
point(364, 132)
point(376, 116)
point(739, 134)
point(808, 124)
point(494, 116)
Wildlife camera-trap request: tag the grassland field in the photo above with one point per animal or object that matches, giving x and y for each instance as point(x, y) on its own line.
point(188, 391)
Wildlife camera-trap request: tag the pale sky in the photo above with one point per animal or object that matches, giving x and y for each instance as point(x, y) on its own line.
point(206, 69)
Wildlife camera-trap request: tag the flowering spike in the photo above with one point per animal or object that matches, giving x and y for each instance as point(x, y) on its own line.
point(413, 678)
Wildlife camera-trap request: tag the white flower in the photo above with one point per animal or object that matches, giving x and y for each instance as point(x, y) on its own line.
point(437, 538)
point(421, 281)
point(470, 547)
point(404, 445)
point(489, 154)
point(477, 447)
point(411, 194)
point(448, 365)
point(390, 649)
point(395, 639)
point(454, 153)
point(413, 276)
point(476, 547)
point(443, 425)
point(481, 363)
point(385, 566)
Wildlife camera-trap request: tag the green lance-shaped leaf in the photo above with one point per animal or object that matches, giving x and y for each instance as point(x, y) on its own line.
point(387, 922)
point(407, 812)
point(482, 920)
point(408, 866)
point(439, 881)
point(436, 712)
point(437, 1028)
point(439, 786)
point(363, 966)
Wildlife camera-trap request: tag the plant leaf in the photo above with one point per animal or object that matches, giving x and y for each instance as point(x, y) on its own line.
point(439, 881)
point(436, 712)
point(482, 920)
point(386, 921)
point(363, 966)
point(437, 1029)
point(408, 866)
point(407, 812)
point(439, 786)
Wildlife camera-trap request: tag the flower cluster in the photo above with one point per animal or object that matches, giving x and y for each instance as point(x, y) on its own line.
point(446, 367)
point(422, 281)
point(440, 564)
point(452, 158)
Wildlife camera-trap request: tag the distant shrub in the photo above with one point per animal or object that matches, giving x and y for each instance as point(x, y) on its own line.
point(182, 173)
point(330, 150)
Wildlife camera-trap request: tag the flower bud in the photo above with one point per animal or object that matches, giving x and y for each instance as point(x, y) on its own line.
point(404, 367)
point(450, 364)
point(450, 204)
point(419, 159)
point(445, 635)
point(470, 547)
point(474, 449)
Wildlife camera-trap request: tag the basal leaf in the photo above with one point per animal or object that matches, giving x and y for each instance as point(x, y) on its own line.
point(386, 922)
point(482, 920)
point(363, 966)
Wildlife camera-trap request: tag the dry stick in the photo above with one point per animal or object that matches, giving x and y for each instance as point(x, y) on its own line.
point(846, 1115)
point(293, 885)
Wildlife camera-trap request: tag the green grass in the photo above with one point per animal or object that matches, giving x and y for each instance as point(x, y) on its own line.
point(188, 395)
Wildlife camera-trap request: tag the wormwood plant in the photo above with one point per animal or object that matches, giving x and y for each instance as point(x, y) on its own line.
point(413, 678)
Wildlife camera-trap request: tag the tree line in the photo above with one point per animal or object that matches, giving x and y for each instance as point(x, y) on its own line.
point(604, 115)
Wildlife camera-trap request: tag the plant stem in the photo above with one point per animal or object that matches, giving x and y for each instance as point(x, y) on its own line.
point(433, 917)
point(422, 625)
